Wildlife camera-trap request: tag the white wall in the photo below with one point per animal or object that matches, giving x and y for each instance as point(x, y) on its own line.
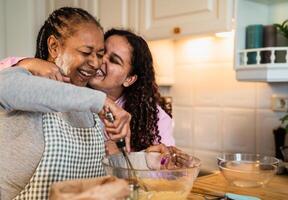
point(2, 29)
point(20, 22)
point(19, 36)
point(213, 112)
point(278, 12)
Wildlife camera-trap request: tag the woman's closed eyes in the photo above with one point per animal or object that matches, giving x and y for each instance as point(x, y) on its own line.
point(87, 51)
point(114, 58)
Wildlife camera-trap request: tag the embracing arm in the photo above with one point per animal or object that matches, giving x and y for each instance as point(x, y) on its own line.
point(20, 90)
point(48, 69)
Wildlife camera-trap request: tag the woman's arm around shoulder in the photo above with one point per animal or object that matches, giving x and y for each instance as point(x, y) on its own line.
point(20, 90)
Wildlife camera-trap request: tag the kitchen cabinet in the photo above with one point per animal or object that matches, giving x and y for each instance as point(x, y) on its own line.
point(174, 18)
point(112, 13)
point(118, 14)
point(90, 6)
point(158, 19)
point(259, 12)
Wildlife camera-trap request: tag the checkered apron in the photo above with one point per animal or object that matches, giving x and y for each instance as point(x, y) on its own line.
point(69, 153)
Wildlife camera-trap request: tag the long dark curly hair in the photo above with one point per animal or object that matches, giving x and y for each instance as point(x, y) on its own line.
point(142, 97)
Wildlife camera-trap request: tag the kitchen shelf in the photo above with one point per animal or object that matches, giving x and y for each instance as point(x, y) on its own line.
point(249, 12)
point(270, 72)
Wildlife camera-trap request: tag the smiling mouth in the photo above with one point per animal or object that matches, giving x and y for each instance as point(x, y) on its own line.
point(100, 73)
point(87, 73)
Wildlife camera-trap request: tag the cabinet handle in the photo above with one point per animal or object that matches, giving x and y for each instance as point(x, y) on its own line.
point(176, 30)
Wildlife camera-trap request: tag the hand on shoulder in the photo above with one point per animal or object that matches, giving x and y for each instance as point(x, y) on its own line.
point(43, 68)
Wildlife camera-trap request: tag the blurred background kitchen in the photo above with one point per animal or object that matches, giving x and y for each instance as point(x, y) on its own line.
point(195, 45)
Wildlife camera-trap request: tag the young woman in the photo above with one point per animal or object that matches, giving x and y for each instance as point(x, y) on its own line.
point(127, 77)
point(39, 145)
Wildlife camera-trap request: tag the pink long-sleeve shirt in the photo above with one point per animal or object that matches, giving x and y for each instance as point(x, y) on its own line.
point(165, 124)
point(9, 61)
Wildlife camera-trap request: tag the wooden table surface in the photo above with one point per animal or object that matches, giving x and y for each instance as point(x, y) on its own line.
point(276, 189)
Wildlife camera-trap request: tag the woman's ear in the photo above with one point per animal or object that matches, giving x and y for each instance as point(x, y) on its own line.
point(130, 80)
point(53, 46)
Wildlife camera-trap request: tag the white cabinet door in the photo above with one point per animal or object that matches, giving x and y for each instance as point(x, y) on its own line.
point(90, 5)
point(169, 18)
point(118, 14)
point(112, 13)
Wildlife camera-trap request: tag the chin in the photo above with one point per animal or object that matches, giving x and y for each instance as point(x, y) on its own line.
point(95, 87)
point(79, 83)
point(95, 83)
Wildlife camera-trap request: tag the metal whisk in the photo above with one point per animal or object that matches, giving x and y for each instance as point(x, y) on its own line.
point(132, 176)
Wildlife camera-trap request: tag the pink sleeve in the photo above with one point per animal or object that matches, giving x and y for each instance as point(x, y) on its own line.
point(165, 128)
point(9, 62)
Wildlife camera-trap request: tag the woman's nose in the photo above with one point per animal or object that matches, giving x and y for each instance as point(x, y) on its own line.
point(95, 62)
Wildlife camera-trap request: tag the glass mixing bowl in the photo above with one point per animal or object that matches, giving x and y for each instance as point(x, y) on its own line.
point(247, 170)
point(168, 184)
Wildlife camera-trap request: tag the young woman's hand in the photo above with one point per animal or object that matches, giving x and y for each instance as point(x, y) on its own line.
point(170, 157)
point(43, 68)
point(120, 127)
point(111, 147)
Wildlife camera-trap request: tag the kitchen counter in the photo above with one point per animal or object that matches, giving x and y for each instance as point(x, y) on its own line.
point(276, 189)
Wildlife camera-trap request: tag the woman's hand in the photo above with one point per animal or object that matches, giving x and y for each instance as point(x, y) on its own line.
point(120, 127)
point(111, 147)
point(43, 68)
point(171, 157)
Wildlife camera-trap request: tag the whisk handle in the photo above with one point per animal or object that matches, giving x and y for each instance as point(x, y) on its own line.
point(121, 143)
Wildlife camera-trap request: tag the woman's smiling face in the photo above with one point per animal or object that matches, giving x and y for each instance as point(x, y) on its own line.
point(114, 73)
point(81, 54)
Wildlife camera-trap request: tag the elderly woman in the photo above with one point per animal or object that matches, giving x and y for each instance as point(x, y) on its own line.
point(49, 130)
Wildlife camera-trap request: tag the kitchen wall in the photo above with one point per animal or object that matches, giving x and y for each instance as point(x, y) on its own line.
point(2, 33)
point(213, 112)
point(20, 22)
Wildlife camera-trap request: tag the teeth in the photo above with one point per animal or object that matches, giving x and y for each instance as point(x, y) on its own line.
point(85, 73)
point(99, 72)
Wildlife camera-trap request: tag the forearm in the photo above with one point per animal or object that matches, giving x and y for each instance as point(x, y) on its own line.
point(19, 90)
